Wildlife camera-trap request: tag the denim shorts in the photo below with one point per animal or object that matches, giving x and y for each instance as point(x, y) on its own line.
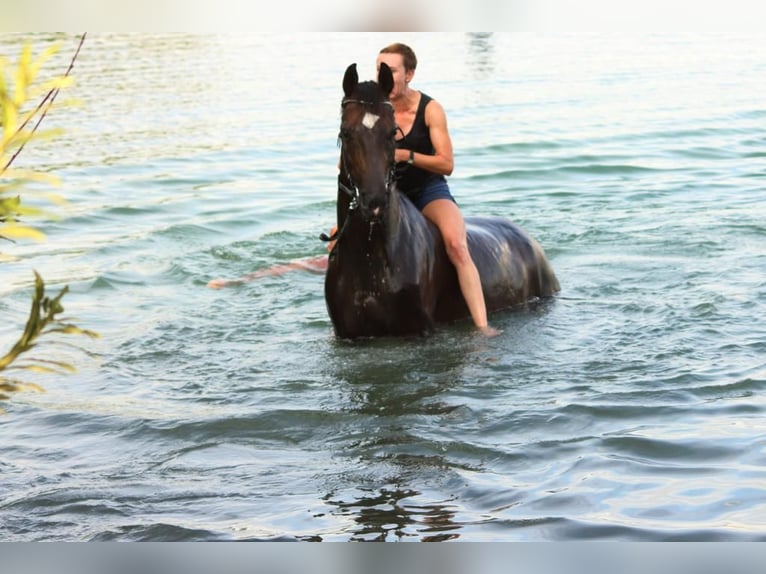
point(435, 188)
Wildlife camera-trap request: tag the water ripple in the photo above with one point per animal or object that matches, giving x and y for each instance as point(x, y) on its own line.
point(628, 408)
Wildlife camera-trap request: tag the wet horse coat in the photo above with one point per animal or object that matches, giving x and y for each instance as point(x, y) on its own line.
point(388, 273)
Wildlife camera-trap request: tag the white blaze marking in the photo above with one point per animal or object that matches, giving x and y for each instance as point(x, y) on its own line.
point(370, 120)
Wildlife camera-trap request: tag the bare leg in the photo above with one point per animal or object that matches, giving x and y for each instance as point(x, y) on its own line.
point(312, 264)
point(447, 217)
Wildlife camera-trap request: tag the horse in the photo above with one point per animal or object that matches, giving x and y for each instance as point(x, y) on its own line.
point(388, 273)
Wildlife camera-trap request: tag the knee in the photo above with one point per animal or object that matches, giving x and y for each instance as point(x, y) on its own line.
point(457, 250)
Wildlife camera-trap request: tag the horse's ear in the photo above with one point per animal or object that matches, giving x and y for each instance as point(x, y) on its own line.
point(385, 79)
point(350, 80)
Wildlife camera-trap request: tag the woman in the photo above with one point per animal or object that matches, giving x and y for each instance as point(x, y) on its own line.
point(424, 158)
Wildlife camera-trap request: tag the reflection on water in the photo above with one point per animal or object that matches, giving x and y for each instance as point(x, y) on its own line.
point(481, 54)
point(387, 515)
point(390, 374)
point(404, 392)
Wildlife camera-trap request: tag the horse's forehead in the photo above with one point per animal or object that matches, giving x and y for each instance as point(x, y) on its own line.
point(367, 106)
point(367, 116)
point(369, 120)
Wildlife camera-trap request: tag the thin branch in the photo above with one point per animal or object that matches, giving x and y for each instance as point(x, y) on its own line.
point(49, 98)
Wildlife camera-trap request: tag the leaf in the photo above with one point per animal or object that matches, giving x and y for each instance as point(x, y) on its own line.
point(9, 385)
point(49, 85)
point(26, 175)
point(74, 330)
point(13, 231)
point(59, 364)
point(9, 118)
point(10, 205)
point(42, 58)
point(36, 368)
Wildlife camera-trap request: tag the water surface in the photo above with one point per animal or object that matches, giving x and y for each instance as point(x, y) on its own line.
point(630, 408)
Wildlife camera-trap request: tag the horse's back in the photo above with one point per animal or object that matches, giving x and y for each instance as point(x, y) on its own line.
point(512, 265)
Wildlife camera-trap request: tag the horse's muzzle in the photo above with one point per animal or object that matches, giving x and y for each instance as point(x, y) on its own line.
point(374, 211)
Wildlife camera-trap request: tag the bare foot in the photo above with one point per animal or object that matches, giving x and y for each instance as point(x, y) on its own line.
point(488, 331)
point(217, 283)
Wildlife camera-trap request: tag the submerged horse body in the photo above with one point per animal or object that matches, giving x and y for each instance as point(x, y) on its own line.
point(388, 273)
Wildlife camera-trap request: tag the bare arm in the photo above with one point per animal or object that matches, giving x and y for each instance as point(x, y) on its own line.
point(442, 162)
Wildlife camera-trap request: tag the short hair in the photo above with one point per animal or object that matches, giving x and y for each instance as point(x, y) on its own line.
point(410, 60)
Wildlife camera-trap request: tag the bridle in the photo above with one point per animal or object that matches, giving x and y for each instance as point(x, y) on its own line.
point(352, 189)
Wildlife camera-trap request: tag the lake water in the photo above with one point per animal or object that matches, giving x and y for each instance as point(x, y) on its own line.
point(632, 407)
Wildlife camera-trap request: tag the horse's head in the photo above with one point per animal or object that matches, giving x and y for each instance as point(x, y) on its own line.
point(367, 131)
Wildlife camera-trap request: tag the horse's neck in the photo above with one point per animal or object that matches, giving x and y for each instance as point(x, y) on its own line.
point(367, 239)
point(393, 219)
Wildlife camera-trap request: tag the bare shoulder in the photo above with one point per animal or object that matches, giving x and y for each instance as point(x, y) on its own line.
point(435, 115)
point(434, 107)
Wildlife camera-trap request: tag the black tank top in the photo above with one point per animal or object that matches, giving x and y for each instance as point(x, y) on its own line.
point(411, 179)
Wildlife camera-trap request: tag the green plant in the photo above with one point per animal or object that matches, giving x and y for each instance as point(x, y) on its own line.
point(19, 86)
point(43, 320)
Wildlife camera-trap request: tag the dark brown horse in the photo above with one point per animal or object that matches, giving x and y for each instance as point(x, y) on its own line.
point(389, 273)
